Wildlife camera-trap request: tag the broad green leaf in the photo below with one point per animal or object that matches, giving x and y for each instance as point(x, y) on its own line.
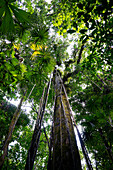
point(2, 10)
point(7, 25)
point(14, 61)
point(2, 3)
point(14, 73)
point(8, 66)
point(21, 15)
point(23, 68)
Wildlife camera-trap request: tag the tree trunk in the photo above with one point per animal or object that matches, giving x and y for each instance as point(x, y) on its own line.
point(65, 150)
point(84, 150)
point(37, 131)
point(11, 129)
point(49, 164)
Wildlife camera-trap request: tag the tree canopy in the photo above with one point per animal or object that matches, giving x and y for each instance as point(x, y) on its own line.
point(74, 37)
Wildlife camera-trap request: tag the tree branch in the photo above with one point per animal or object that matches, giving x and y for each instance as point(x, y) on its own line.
point(65, 78)
point(46, 137)
point(80, 54)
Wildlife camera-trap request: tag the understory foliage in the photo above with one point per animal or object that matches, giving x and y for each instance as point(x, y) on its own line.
point(76, 38)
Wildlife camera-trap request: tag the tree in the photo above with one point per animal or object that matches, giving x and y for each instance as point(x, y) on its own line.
point(37, 131)
point(7, 110)
point(11, 128)
point(86, 75)
point(65, 151)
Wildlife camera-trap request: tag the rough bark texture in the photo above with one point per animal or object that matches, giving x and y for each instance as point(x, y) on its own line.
point(11, 129)
point(37, 131)
point(65, 150)
point(84, 150)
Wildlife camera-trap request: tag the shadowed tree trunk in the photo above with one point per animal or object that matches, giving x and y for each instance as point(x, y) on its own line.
point(11, 129)
point(37, 131)
point(84, 150)
point(65, 150)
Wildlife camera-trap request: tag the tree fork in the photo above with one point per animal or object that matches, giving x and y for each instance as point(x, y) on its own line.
point(65, 78)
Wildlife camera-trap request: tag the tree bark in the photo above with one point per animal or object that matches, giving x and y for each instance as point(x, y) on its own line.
point(84, 150)
point(65, 150)
point(11, 129)
point(37, 131)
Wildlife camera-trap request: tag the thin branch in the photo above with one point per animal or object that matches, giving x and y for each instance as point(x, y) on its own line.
point(80, 54)
point(37, 131)
point(31, 91)
point(46, 137)
point(35, 110)
point(65, 78)
point(101, 80)
point(94, 83)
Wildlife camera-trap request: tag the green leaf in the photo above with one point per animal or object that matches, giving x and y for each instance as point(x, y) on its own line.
point(14, 73)
point(71, 31)
point(23, 68)
point(2, 3)
point(2, 10)
point(15, 61)
point(7, 25)
point(21, 15)
point(83, 31)
point(8, 66)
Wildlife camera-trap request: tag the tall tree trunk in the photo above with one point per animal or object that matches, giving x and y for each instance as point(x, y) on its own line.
point(65, 150)
point(84, 150)
point(11, 129)
point(37, 131)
